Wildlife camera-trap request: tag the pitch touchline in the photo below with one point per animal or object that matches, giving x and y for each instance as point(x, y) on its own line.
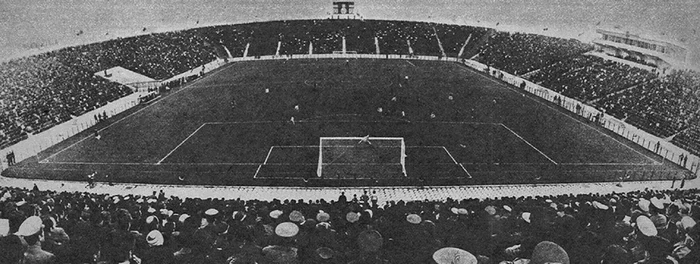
point(350, 121)
point(183, 142)
point(528, 143)
point(315, 163)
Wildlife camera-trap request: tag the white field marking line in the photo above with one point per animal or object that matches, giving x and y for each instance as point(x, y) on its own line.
point(612, 164)
point(308, 120)
point(268, 154)
point(206, 163)
point(178, 145)
point(528, 143)
point(569, 164)
point(410, 63)
point(508, 87)
point(264, 162)
point(455, 161)
point(194, 84)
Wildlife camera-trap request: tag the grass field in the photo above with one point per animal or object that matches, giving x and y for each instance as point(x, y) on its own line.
point(459, 127)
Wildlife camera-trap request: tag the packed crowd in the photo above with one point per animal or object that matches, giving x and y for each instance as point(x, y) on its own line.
point(589, 77)
point(39, 92)
point(393, 37)
point(157, 56)
point(520, 53)
point(636, 227)
point(663, 106)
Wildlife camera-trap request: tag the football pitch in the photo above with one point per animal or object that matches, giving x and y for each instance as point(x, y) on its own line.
point(259, 123)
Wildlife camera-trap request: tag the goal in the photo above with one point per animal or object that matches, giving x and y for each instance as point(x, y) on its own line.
point(361, 157)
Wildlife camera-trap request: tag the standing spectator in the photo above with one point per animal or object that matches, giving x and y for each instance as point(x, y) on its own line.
point(12, 249)
point(56, 239)
point(364, 198)
point(156, 252)
point(31, 231)
point(117, 246)
point(342, 199)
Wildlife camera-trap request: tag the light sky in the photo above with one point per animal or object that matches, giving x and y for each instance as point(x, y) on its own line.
point(33, 26)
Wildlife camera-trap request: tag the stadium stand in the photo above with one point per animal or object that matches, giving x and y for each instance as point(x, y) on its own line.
point(635, 227)
point(39, 92)
point(589, 77)
point(520, 53)
point(663, 107)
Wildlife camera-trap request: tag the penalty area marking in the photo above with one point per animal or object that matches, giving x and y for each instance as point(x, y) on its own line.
point(265, 162)
point(528, 143)
point(178, 145)
point(457, 163)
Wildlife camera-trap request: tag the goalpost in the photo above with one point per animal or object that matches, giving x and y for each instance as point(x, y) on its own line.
point(361, 155)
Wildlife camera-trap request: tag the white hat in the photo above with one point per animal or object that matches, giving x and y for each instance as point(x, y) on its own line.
point(151, 210)
point(462, 211)
point(507, 208)
point(183, 217)
point(371, 214)
point(211, 212)
point(5, 196)
point(352, 217)
point(657, 203)
point(151, 219)
point(296, 216)
point(454, 210)
point(155, 238)
point(152, 200)
point(323, 216)
point(490, 210)
point(687, 222)
point(275, 214)
point(450, 255)
point(287, 229)
point(599, 205)
point(644, 204)
point(549, 252)
point(413, 219)
point(646, 226)
point(30, 226)
point(526, 216)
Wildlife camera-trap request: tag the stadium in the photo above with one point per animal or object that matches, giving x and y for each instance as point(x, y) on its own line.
point(351, 140)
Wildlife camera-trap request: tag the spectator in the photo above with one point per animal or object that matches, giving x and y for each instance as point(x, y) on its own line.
point(32, 233)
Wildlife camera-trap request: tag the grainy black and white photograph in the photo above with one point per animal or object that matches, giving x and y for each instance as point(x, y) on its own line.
point(349, 132)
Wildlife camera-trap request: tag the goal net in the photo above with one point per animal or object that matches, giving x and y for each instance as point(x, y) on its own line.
point(364, 157)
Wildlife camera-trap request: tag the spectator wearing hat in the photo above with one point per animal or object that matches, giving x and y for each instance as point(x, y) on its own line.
point(31, 231)
point(342, 199)
point(156, 252)
point(413, 241)
point(119, 242)
point(55, 239)
point(205, 236)
point(566, 225)
point(12, 249)
point(364, 198)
